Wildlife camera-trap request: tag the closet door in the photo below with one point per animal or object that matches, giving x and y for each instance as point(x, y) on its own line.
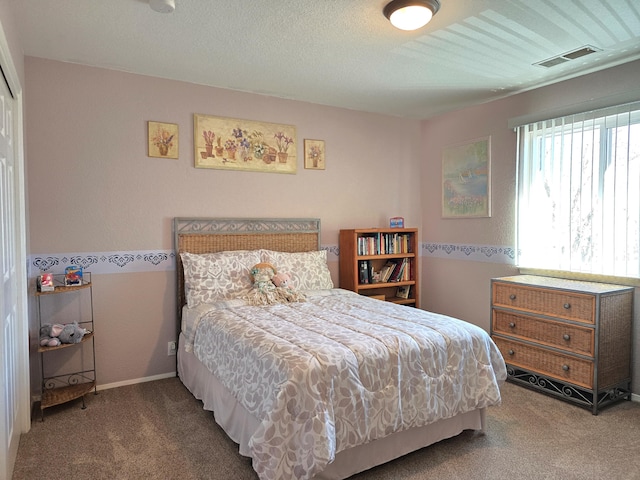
point(11, 339)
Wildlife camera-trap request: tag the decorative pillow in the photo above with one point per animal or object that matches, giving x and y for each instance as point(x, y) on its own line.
point(308, 270)
point(211, 277)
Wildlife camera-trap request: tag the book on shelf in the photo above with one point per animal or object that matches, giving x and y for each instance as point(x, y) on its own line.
point(365, 273)
point(404, 269)
point(384, 244)
point(395, 276)
point(369, 245)
point(397, 243)
point(387, 270)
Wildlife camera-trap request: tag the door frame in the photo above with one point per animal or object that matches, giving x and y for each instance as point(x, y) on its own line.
point(23, 408)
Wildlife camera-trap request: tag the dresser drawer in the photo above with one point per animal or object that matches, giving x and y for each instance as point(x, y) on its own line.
point(545, 362)
point(572, 306)
point(572, 338)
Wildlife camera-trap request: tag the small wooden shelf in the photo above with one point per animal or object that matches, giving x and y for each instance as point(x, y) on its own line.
point(386, 256)
point(402, 301)
point(370, 286)
point(372, 245)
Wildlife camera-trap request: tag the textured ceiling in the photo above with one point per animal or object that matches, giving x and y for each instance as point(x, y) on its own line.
point(339, 52)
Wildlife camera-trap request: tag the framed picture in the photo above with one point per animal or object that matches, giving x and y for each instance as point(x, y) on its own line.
point(314, 154)
point(162, 140)
point(466, 179)
point(234, 144)
point(396, 222)
point(403, 292)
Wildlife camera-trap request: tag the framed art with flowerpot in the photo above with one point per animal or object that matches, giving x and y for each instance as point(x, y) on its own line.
point(234, 144)
point(314, 154)
point(466, 179)
point(162, 140)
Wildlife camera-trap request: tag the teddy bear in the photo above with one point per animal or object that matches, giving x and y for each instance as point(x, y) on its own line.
point(52, 335)
point(284, 287)
point(282, 280)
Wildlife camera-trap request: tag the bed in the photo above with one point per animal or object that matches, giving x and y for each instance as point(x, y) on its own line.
point(325, 387)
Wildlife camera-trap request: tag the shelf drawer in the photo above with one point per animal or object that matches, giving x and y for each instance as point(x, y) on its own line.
point(571, 306)
point(556, 365)
point(571, 338)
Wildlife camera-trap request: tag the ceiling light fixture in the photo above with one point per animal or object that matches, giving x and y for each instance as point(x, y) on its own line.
point(411, 14)
point(163, 6)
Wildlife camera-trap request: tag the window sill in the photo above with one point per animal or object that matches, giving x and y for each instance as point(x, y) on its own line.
point(587, 277)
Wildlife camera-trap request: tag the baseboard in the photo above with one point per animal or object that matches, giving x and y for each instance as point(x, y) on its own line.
point(133, 381)
point(635, 397)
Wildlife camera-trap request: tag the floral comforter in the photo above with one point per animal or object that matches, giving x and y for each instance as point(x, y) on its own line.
point(340, 370)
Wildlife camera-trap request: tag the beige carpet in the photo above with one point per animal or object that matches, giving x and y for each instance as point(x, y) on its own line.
point(157, 430)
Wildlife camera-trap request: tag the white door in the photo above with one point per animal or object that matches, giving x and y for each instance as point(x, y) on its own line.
point(12, 312)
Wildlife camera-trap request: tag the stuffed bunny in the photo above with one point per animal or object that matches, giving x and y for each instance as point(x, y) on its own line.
point(52, 335)
point(49, 334)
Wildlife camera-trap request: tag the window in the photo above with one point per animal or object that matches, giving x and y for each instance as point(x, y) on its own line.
point(579, 193)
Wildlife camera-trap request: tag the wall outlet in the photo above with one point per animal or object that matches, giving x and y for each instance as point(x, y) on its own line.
point(172, 347)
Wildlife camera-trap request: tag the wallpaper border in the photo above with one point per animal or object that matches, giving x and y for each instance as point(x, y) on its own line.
point(136, 261)
point(475, 253)
point(165, 260)
point(106, 262)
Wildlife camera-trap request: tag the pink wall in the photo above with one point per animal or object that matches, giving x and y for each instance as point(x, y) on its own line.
point(92, 187)
point(462, 288)
point(87, 130)
point(13, 40)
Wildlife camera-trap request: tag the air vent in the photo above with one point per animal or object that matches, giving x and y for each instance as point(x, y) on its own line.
point(565, 57)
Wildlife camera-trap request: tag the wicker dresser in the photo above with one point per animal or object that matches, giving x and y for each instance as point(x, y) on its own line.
point(567, 338)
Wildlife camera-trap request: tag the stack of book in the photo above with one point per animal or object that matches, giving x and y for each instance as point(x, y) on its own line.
point(395, 271)
point(365, 272)
point(384, 243)
point(392, 271)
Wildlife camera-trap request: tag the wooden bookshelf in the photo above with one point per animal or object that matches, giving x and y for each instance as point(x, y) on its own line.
point(364, 253)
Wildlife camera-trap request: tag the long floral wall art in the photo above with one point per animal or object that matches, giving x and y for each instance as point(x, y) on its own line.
point(466, 179)
point(234, 144)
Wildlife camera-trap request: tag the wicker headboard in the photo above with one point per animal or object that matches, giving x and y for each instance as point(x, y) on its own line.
point(209, 235)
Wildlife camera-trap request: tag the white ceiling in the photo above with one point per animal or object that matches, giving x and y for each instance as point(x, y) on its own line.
point(339, 52)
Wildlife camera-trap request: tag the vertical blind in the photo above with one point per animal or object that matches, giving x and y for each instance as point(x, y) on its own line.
point(579, 193)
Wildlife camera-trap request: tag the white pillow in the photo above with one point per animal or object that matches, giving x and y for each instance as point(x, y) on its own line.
point(211, 277)
point(308, 270)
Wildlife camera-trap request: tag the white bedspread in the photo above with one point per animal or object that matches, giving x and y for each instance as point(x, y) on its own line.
point(340, 370)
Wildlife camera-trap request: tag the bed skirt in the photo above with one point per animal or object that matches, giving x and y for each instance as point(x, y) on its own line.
point(240, 425)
